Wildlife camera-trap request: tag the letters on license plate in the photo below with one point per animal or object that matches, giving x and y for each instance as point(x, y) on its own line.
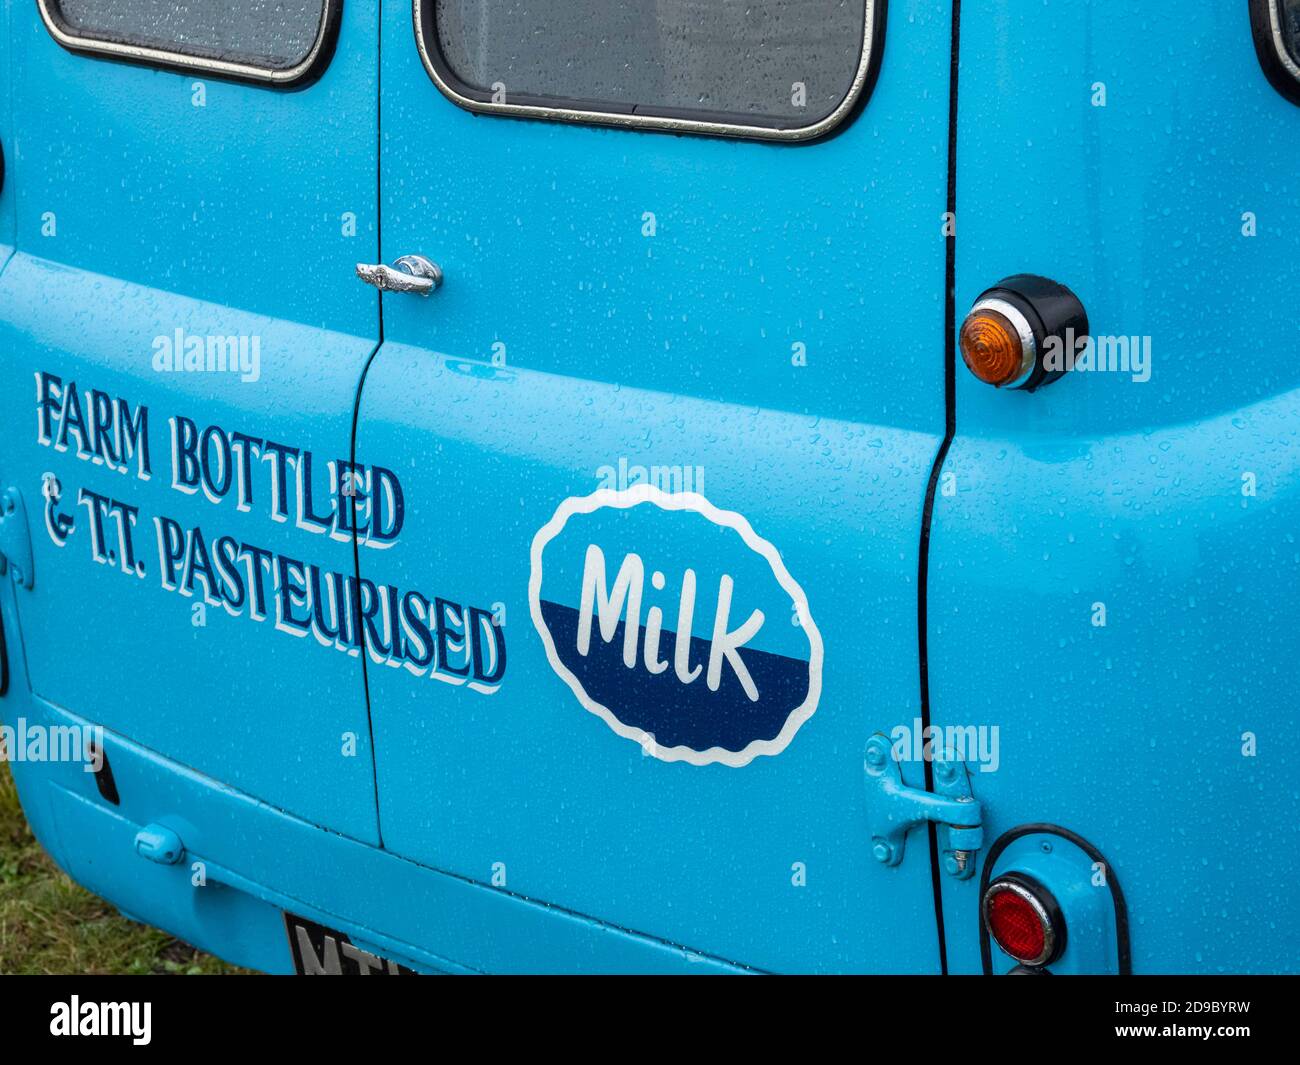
point(321, 951)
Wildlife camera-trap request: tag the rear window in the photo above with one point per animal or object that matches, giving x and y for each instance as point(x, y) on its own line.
point(1275, 25)
point(266, 40)
point(1290, 17)
point(768, 68)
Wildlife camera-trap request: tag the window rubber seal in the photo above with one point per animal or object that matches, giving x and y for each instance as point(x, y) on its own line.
point(300, 75)
point(645, 117)
point(1280, 67)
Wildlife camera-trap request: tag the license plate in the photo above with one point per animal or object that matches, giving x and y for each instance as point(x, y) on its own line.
point(321, 951)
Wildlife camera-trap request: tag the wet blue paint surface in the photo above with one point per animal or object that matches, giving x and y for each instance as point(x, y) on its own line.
point(433, 785)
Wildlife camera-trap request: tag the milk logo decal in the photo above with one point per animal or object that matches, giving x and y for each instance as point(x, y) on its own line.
point(676, 624)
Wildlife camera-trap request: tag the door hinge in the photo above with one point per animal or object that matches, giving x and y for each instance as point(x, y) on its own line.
point(15, 537)
point(893, 809)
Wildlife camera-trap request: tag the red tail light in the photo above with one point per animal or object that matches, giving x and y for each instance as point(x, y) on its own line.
point(1024, 919)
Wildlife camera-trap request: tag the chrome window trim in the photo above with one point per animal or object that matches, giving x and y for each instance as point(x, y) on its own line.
point(662, 122)
point(181, 60)
point(1279, 43)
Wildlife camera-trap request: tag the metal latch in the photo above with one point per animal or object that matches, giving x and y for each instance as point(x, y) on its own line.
point(893, 809)
point(159, 844)
point(15, 537)
point(410, 273)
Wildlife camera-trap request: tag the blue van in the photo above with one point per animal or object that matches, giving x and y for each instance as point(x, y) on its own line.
point(803, 485)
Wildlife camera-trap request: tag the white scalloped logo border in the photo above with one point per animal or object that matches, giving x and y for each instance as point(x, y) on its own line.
point(727, 519)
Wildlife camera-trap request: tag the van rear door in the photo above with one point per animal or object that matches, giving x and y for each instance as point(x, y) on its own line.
point(1113, 600)
point(663, 437)
point(182, 340)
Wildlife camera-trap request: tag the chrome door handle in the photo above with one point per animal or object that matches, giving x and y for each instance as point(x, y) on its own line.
point(410, 273)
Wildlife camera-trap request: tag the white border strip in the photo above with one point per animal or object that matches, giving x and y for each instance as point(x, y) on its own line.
point(663, 122)
point(727, 519)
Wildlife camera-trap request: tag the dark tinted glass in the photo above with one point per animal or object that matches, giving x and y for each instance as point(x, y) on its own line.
point(786, 62)
point(270, 34)
point(1291, 27)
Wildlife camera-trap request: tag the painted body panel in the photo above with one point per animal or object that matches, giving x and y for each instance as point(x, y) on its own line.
point(616, 301)
point(143, 216)
point(1106, 490)
point(524, 786)
point(256, 862)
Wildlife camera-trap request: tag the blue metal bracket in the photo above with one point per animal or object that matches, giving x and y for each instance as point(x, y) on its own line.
point(893, 809)
point(15, 537)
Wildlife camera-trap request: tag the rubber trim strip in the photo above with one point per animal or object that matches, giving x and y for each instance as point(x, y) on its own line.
point(356, 415)
point(949, 431)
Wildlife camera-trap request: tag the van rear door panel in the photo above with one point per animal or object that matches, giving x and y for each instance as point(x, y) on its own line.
point(655, 354)
point(170, 224)
point(519, 785)
point(1113, 579)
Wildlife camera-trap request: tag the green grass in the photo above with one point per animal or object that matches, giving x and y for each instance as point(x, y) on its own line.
point(50, 925)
